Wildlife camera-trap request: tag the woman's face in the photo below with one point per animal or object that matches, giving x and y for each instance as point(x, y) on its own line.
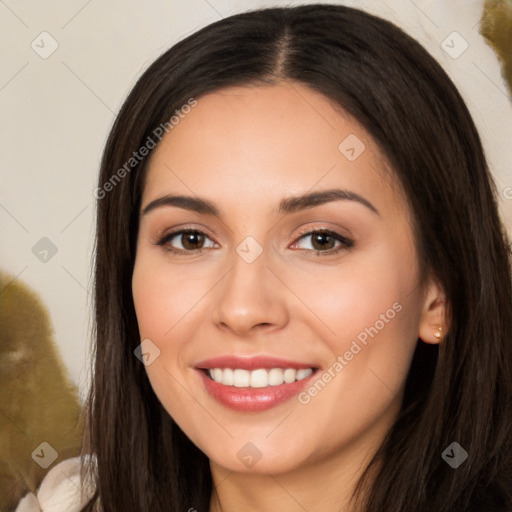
point(254, 295)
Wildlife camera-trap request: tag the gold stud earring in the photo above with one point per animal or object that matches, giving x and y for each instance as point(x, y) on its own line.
point(437, 334)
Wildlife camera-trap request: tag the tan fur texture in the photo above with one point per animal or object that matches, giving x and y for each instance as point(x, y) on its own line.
point(38, 402)
point(496, 27)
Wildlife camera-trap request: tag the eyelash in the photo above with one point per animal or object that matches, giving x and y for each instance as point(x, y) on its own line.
point(345, 243)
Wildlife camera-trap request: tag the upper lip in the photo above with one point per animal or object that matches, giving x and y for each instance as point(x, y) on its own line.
point(250, 363)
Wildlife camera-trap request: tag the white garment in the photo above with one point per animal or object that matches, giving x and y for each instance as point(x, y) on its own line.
point(59, 491)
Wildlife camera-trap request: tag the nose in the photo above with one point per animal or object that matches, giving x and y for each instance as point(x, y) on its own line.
point(250, 298)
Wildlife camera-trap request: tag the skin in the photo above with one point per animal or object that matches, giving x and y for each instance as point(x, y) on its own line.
point(245, 149)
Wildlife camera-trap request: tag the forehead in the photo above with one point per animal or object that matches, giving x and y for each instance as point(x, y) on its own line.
point(249, 141)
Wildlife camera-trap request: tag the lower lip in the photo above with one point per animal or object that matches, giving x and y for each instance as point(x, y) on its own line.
point(253, 399)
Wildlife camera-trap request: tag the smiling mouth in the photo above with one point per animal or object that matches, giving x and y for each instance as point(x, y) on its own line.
point(258, 378)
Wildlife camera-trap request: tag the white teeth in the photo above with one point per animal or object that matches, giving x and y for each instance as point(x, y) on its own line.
point(226, 376)
point(275, 377)
point(241, 378)
point(303, 373)
point(217, 374)
point(260, 378)
point(289, 375)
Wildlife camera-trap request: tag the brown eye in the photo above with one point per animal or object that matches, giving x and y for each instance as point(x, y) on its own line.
point(324, 241)
point(192, 240)
point(321, 241)
point(185, 240)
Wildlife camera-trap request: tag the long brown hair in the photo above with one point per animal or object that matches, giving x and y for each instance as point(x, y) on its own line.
point(460, 391)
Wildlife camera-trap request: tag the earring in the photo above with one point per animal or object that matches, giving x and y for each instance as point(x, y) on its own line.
point(437, 334)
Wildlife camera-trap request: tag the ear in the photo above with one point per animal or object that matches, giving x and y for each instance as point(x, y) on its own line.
point(434, 322)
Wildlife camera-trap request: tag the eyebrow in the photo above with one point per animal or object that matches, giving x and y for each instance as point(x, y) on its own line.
point(286, 206)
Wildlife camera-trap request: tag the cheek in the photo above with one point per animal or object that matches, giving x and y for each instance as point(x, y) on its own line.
point(167, 303)
point(361, 295)
point(373, 338)
point(163, 296)
point(371, 351)
point(370, 312)
point(159, 308)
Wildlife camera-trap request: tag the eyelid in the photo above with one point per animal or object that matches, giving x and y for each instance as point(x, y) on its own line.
point(178, 229)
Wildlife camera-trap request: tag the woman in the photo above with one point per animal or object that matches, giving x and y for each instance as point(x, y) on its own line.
point(303, 289)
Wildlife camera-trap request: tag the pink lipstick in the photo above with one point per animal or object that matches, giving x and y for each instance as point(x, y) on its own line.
point(253, 384)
